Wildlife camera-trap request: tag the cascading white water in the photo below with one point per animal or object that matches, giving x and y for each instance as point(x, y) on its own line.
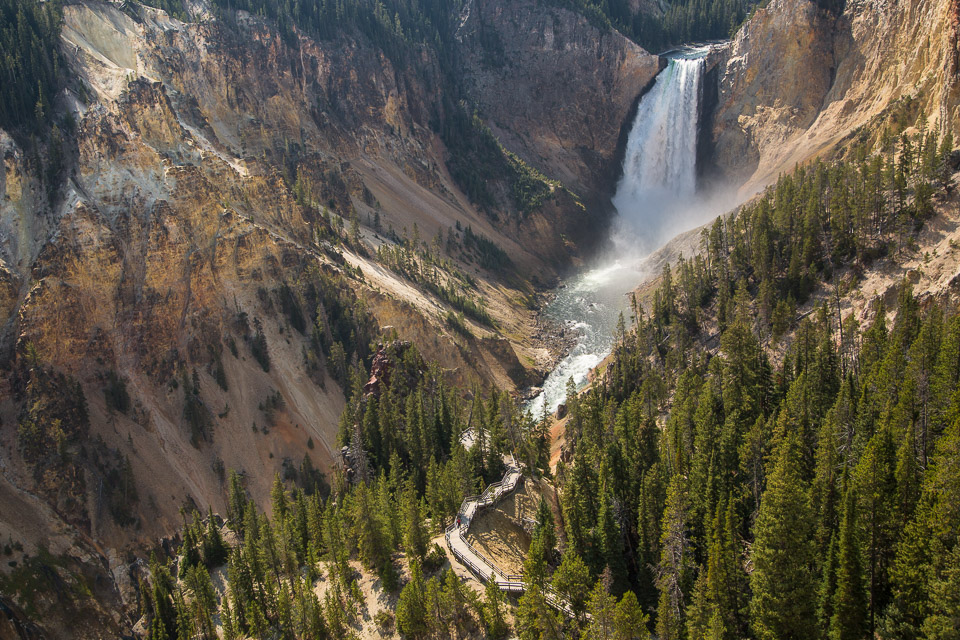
point(660, 163)
point(658, 183)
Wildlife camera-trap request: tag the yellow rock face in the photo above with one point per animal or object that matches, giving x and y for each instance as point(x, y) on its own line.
point(797, 79)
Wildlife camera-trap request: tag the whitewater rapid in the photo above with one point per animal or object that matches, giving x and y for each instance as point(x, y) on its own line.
point(659, 179)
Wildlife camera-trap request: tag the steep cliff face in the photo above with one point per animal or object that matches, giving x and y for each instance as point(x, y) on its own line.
point(554, 88)
point(176, 232)
point(773, 84)
point(799, 78)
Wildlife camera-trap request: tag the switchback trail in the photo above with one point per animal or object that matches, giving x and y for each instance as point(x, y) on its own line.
point(471, 558)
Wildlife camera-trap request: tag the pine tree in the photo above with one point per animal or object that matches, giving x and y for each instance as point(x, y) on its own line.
point(368, 535)
point(164, 623)
point(675, 567)
point(875, 483)
point(536, 619)
point(924, 573)
point(387, 511)
point(602, 609)
point(828, 585)
point(782, 581)
point(284, 612)
point(412, 605)
point(700, 611)
point(190, 549)
point(456, 603)
point(943, 621)
point(157, 630)
point(203, 601)
point(494, 621)
point(630, 622)
point(316, 625)
point(215, 550)
point(572, 582)
point(727, 582)
point(227, 620)
point(849, 620)
point(611, 545)
point(300, 526)
point(278, 499)
point(415, 536)
point(545, 527)
point(372, 443)
point(535, 565)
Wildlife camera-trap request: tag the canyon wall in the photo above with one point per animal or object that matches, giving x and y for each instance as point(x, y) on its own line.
point(801, 76)
point(556, 89)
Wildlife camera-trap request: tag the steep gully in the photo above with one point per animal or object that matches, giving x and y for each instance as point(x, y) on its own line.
point(656, 198)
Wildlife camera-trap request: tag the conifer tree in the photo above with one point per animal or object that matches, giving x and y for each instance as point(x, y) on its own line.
point(611, 545)
point(412, 605)
point(373, 547)
point(602, 609)
point(494, 621)
point(415, 536)
point(630, 622)
point(875, 482)
point(536, 619)
point(316, 625)
point(535, 564)
point(828, 585)
point(236, 502)
point(456, 600)
point(387, 512)
point(191, 550)
point(572, 581)
point(925, 568)
point(782, 581)
point(203, 601)
point(227, 620)
point(943, 621)
point(544, 528)
point(701, 609)
point(727, 582)
point(676, 564)
point(215, 550)
point(848, 621)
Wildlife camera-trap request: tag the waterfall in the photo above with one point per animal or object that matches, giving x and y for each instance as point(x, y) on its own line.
point(659, 167)
point(654, 200)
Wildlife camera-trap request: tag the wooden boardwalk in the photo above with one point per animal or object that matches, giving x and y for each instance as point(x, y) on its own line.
point(470, 557)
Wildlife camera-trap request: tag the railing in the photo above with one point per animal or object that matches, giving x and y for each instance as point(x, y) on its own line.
point(557, 602)
point(475, 561)
point(472, 566)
